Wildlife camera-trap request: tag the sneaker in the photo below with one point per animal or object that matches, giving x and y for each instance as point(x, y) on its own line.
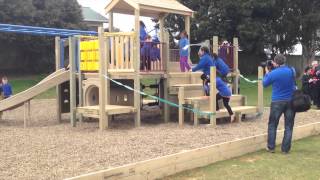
point(285, 153)
point(270, 150)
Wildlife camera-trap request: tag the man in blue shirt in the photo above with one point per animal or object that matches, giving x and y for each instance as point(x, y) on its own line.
point(205, 62)
point(282, 79)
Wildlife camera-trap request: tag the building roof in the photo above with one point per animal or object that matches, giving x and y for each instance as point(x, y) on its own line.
point(150, 8)
point(92, 16)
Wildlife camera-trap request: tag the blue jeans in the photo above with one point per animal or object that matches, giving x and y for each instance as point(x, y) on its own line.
point(277, 109)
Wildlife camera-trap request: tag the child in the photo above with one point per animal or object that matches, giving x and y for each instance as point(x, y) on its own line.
point(224, 93)
point(145, 54)
point(184, 52)
point(6, 87)
point(222, 68)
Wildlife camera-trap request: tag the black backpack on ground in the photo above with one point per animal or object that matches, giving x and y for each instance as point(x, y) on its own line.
point(300, 102)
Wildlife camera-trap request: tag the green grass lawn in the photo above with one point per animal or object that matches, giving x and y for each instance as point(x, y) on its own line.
point(22, 83)
point(302, 163)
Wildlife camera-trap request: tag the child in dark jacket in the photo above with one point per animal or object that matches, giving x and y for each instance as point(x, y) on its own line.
point(6, 88)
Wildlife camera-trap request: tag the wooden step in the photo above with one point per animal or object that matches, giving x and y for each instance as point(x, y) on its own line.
point(237, 109)
point(93, 111)
point(203, 101)
point(192, 89)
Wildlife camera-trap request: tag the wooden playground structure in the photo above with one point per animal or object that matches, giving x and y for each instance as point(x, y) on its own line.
point(117, 57)
point(86, 91)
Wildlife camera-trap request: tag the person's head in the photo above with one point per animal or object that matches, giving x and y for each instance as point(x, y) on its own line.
point(307, 70)
point(148, 38)
point(183, 34)
point(203, 50)
point(4, 80)
point(215, 56)
point(314, 64)
point(142, 24)
point(279, 60)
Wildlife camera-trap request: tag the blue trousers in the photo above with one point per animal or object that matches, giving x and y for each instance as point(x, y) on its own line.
point(277, 109)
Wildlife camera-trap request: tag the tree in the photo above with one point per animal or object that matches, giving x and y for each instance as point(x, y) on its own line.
point(37, 52)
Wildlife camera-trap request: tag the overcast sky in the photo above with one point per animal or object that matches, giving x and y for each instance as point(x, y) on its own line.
point(124, 22)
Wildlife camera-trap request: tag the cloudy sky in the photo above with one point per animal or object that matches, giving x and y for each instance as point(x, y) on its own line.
point(124, 22)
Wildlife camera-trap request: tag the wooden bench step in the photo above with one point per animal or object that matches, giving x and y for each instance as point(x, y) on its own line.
point(237, 109)
point(93, 111)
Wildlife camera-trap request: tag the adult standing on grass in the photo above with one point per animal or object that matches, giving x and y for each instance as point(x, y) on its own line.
point(282, 80)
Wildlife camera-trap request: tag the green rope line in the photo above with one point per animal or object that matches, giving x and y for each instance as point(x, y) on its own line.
point(250, 81)
point(196, 111)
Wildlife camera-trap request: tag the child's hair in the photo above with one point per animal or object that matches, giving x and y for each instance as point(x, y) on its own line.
point(184, 32)
point(307, 69)
point(148, 37)
point(215, 55)
point(205, 49)
point(204, 77)
point(142, 24)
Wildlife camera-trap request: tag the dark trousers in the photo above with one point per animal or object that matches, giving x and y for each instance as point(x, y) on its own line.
point(277, 109)
point(315, 94)
point(225, 103)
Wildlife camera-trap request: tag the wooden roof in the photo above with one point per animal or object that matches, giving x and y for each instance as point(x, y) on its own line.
point(151, 8)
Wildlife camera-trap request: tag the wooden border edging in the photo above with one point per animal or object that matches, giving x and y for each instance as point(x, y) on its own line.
point(186, 160)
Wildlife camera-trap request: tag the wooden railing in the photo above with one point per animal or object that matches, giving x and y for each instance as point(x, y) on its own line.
point(120, 51)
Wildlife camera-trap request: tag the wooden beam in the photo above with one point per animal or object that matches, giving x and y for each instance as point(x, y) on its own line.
point(236, 66)
point(213, 92)
point(27, 114)
point(164, 166)
point(137, 97)
point(73, 87)
point(110, 21)
point(260, 90)
point(215, 44)
point(103, 119)
point(181, 102)
point(58, 65)
point(187, 29)
point(80, 78)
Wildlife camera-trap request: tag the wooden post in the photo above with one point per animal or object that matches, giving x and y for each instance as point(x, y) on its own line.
point(58, 65)
point(103, 118)
point(73, 87)
point(215, 44)
point(137, 99)
point(213, 92)
point(80, 78)
point(27, 114)
point(236, 66)
point(187, 29)
point(166, 108)
point(260, 90)
point(195, 115)
point(181, 102)
point(111, 21)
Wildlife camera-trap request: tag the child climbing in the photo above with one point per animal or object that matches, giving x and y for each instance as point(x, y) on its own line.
point(222, 68)
point(6, 87)
point(224, 93)
point(184, 51)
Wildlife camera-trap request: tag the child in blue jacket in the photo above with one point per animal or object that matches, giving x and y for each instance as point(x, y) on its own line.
point(6, 88)
point(222, 68)
point(224, 92)
point(184, 51)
